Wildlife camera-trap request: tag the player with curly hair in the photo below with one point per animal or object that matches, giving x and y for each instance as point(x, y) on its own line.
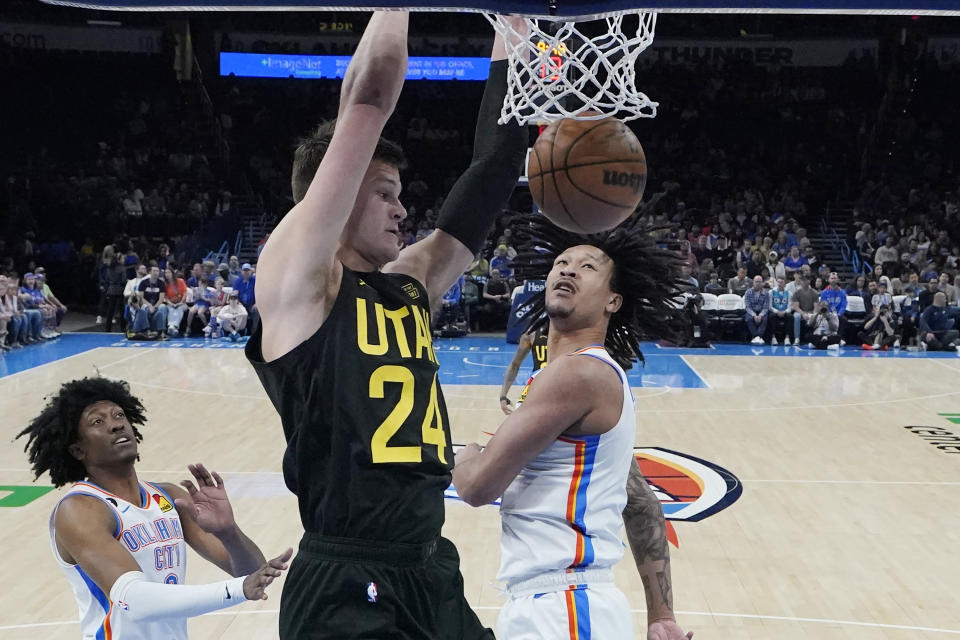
point(121, 541)
point(563, 460)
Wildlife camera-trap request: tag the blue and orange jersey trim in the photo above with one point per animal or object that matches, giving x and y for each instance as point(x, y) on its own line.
point(578, 614)
point(585, 450)
point(104, 632)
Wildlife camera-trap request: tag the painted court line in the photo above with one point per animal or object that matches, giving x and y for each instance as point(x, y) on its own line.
point(945, 365)
point(194, 391)
point(708, 614)
point(695, 372)
point(46, 364)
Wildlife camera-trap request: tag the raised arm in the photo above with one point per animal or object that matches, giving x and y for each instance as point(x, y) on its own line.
point(479, 195)
point(302, 249)
point(647, 535)
point(526, 344)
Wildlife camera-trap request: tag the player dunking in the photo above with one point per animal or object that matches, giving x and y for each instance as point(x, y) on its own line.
point(534, 343)
point(345, 355)
point(563, 461)
point(121, 541)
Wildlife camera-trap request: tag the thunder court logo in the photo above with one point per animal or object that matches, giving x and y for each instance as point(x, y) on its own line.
point(690, 489)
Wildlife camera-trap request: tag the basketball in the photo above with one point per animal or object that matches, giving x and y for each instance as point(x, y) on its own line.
point(587, 176)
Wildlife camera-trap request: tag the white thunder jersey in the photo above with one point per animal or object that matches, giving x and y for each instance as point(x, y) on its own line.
point(564, 510)
point(151, 532)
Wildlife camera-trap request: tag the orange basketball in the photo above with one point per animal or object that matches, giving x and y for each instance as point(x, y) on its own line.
point(587, 176)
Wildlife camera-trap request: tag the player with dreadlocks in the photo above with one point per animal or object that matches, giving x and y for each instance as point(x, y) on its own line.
point(563, 461)
point(120, 541)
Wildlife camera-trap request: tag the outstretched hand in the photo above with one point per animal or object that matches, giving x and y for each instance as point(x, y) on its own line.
point(667, 630)
point(211, 506)
point(255, 585)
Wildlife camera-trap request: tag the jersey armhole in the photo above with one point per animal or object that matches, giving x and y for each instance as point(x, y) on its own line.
point(254, 349)
point(604, 360)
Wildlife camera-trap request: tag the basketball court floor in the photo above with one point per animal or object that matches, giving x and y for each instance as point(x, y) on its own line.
point(811, 494)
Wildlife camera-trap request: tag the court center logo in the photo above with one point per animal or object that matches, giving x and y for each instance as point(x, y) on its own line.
point(689, 488)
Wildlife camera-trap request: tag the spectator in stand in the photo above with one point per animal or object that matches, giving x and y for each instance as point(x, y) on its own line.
point(59, 307)
point(938, 326)
point(133, 284)
point(794, 260)
point(804, 307)
point(739, 283)
point(223, 272)
point(859, 289)
point(686, 254)
point(153, 293)
point(900, 269)
point(929, 272)
point(233, 266)
point(165, 259)
point(686, 281)
point(198, 302)
point(794, 284)
point(107, 259)
point(886, 256)
point(209, 272)
point(925, 295)
point(836, 297)
point(115, 284)
point(501, 262)
point(880, 331)
point(780, 304)
point(131, 260)
point(196, 275)
point(36, 305)
point(811, 257)
point(217, 298)
point(451, 305)
point(744, 255)
point(245, 286)
point(909, 315)
point(6, 317)
point(775, 267)
point(757, 303)
point(756, 264)
point(479, 269)
point(232, 317)
point(824, 325)
point(175, 290)
point(714, 286)
point(706, 268)
point(818, 285)
point(782, 246)
point(496, 295)
point(724, 257)
point(18, 327)
point(943, 284)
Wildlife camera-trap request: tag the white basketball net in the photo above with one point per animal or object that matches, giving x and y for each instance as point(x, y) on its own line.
point(562, 69)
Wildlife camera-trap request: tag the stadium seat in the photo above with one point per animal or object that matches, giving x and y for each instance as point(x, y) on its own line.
point(731, 309)
point(856, 315)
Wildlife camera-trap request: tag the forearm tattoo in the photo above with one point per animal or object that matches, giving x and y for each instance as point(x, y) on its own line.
point(647, 535)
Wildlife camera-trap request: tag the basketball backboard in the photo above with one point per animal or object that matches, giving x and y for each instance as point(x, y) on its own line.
point(558, 8)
